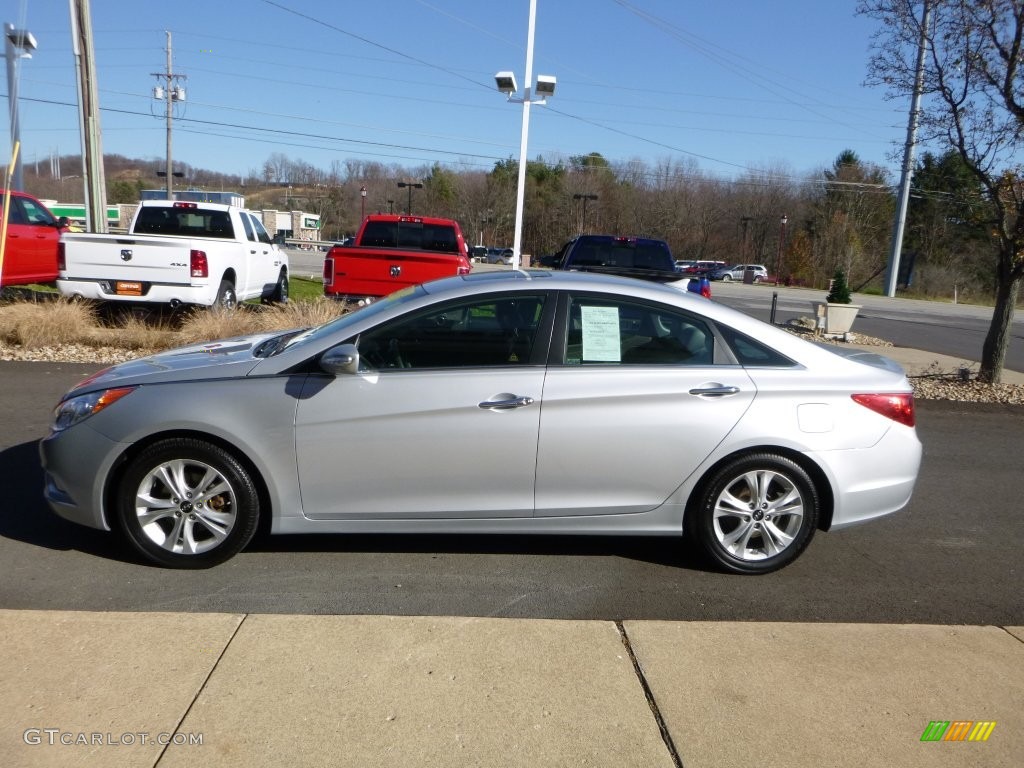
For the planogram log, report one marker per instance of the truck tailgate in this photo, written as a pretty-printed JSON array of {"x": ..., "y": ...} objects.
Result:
[
  {"x": 126, "y": 258},
  {"x": 364, "y": 271}
]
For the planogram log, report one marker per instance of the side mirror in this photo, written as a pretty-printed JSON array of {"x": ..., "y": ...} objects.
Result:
[{"x": 341, "y": 359}]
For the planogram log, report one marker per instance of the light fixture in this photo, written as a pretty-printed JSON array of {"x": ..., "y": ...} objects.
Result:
[{"x": 506, "y": 82}]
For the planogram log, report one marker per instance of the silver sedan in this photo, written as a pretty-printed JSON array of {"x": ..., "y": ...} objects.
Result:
[{"x": 602, "y": 405}]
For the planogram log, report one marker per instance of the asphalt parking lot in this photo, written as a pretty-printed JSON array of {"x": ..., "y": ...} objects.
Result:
[{"x": 952, "y": 557}]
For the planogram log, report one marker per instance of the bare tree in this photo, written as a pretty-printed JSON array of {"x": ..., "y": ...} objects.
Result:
[{"x": 974, "y": 102}]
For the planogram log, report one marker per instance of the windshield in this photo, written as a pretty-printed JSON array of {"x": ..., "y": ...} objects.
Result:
[{"x": 364, "y": 312}]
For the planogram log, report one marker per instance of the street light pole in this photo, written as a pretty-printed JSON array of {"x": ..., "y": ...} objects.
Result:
[
  {"x": 362, "y": 208},
  {"x": 18, "y": 44},
  {"x": 782, "y": 242},
  {"x": 545, "y": 87},
  {"x": 410, "y": 186}
]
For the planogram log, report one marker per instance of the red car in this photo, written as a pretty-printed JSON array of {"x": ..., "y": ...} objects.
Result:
[
  {"x": 30, "y": 242},
  {"x": 393, "y": 252}
]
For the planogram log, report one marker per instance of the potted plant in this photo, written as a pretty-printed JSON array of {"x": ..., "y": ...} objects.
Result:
[{"x": 836, "y": 314}]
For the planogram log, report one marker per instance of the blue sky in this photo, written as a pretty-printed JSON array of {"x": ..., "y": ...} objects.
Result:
[{"x": 729, "y": 86}]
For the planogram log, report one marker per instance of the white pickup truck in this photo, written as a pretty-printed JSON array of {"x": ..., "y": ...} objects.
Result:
[{"x": 176, "y": 253}]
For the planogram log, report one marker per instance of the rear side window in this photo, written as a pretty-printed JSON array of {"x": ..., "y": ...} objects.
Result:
[
  {"x": 410, "y": 234},
  {"x": 184, "y": 222},
  {"x": 752, "y": 353}
]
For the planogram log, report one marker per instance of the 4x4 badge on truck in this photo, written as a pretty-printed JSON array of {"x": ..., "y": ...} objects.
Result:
[
  {"x": 396, "y": 270},
  {"x": 126, "y": 254}
]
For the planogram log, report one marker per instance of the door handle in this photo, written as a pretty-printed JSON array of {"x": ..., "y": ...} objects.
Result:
[
  {"x": 253, "y": 251},
  {"x": 506, "y": 405},
  {"x": 714, "y": 390}
]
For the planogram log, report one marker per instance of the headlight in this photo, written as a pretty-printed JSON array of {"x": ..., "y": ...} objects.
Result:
[{"x": 73, "y": 410}]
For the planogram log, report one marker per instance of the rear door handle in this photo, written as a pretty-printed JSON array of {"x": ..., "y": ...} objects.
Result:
[
  {"x": 506, "y": 405},
  {"x": 714, "y": 390}
]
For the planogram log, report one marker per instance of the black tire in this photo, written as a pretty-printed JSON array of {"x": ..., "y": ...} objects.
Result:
[
  {"x": 726, "y": 278},
  {"x": 740, "y": 534},
  {"x": 227, "y": 299},
  {"x": 280, "y": 293},
  {"x": 213, "y": 510}
]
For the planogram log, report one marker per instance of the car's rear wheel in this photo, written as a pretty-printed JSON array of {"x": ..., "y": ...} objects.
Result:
[
  {"x": 726, "y": 278},
  {"x": 279, "y": 295},
  {"x": 185, "y": 503},
  {"x": 226, "y": 299},
  {"x": 755, "y": 514}
]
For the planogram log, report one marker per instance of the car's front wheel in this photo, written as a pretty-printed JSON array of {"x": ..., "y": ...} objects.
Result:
[
  {"x": 186, "y": 503},
  {"x": 755, "y": 514}
]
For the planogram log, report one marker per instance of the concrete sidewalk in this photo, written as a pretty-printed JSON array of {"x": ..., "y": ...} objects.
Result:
[{"x": 273, "y": 690}]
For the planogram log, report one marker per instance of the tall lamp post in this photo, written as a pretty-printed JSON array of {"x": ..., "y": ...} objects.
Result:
[
  {"x": 18, "y": 44},
  {"x": 362, "y": 206},
  {"x": 410, "y": 185},
  {"x": 545, "y": 87},
  {"x": 782, "y": 242},
  {"x": 583, "y": 218}
]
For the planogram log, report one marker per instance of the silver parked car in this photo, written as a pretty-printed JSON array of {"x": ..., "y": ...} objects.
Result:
[{"x": 619, "y": 407}]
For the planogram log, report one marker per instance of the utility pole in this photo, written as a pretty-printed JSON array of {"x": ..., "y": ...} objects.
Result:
[
  {"x": 170, "y": 92},
  {"x": 908, "y": 159},
  {"x": 93, "y": 177}
]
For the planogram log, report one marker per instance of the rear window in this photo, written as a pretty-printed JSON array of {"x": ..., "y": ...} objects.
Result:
[
  {"x": 410, "y": 234},
  {"x": 184, "y": 222},
  {"x": 622, "y": 253}
]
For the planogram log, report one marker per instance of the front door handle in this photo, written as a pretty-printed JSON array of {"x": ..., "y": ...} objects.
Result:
[
  {"x": 714, "y": 390},
  {"x": 506, "y": 405}
]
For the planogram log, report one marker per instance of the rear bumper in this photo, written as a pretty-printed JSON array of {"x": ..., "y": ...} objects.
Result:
[
  {"x": 152, "y": 293},
  {"x": 875, "y": 481}
]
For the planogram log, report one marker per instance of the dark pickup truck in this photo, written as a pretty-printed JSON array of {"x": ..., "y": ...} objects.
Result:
[{"x": 638, "y": 257}]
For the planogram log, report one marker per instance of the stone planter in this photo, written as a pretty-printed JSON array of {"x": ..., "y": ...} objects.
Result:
[{"x": 835, "y": 319}]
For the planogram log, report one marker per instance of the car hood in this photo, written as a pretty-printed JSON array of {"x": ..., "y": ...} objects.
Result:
[{"x": 222, "y": 359}]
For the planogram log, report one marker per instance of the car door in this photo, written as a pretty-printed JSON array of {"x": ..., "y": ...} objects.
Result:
[
  {"x": 266, "y": 261},
  {"x": 633, "y": 404},
  {"x": 441, "y": 421},
  {"x": 31, "y": 251}
]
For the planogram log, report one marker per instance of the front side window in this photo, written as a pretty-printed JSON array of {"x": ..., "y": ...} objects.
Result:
[
  {"x": 608, "y": 331},
  {"x": 482, "y": 332},
  {"x": 35, "y": 213}
]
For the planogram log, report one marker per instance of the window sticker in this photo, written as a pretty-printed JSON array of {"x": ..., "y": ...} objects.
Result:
[{"x": 601, "y": 334}]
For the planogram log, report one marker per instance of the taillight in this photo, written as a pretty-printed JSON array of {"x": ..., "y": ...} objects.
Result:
[
  {"x": 898, "y": 407},
  {"x": 462, "y": 270},
  {"x": 328, "y": 270},
  {"x": 62, "y": 261},
  {"x": 200, "y": 266}
]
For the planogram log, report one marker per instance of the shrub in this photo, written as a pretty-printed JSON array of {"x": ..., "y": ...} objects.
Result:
[{"x": 840, "y": 293}]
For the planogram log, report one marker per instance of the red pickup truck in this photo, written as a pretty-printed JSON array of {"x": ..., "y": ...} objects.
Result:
[
  {"x": 29, "y": 252},
  {"x": 393, "y": 252}
]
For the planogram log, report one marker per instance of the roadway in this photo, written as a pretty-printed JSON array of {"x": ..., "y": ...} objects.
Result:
[{"x": 952, "y": 557}]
